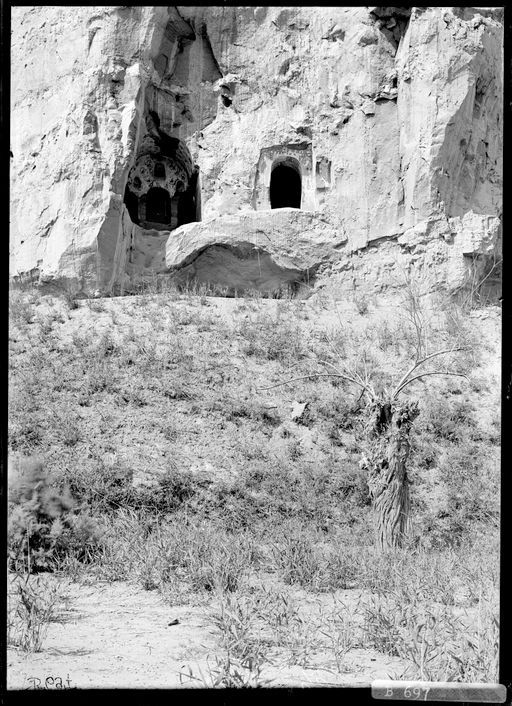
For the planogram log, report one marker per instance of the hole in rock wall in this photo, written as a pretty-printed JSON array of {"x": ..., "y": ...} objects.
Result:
[
  {"x": 158, "y": 206},
  {"x": 162, "y": 191},
  {"x": 226, "y": 100},
  {"x": 159, "y": 172},
  {"x": 278, "y": 188},
  {"x": 392, "y": 22},
  {"x": 285, "y": 186},
  {"x": 132, "y": 204},
  {"x": 152, "y": 120}
]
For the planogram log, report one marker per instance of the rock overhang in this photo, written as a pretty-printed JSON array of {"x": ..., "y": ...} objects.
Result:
[
  {"x": 253, "y": 249},
  {"x": 294, "y": 238}
]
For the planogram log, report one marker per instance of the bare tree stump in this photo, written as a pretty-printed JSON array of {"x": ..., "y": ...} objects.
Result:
[{"x": 386, "y": 464}]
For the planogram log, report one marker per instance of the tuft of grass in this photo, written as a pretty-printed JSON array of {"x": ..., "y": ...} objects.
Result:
[
  {"x": 32, "y": 605},
  {"x": 425, "y": 611},
  {"x": 299, "y": 559},
  {"x": 437, "y": 644},
  {"x": 362, "y": 305},
  {"x": 203, "y": 557},
  {"x": 340, "y": 626},
  {"x": 96, "y": 305},
  {"x": 225, "y": 673},
  {"x": 272, "y": 337},
  {"x": 70, "y": 300}
]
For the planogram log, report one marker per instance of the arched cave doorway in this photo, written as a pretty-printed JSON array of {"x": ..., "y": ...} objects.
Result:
[
  {"x": 163, "y": 193},
  {"x": 158, "y": 206},
  {"x": 285, "y": 186}
]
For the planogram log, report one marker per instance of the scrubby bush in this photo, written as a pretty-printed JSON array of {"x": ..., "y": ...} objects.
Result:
[
  {"x": 42, "y": 527},
  {"x": 448, "y": 420},
  {"x": 272, "y": 337},
  {"x": 471, "y": 479},
  {"x": 21, "y": 308},
  {"x": 103, "y": 488}
]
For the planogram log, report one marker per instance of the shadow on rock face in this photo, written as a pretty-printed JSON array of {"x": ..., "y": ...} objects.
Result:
[{"x": 243, "y": 268}]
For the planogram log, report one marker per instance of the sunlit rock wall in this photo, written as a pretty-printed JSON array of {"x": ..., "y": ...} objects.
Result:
[{"x": 391, "y": 117}]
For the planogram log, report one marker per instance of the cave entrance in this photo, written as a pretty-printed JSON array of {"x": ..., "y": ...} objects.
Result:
[
  {"x": 158, "y": 206},
  {"x": 285, "y": 186},
  {"x": 163, "y": 192}
]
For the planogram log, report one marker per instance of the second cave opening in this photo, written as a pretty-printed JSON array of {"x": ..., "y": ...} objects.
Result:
[{"x": 285, "y": 186}]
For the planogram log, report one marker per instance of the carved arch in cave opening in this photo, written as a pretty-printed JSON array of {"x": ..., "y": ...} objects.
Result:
[
  {"x": 285, "y": 184},
  {"x": 163, "y": 191}
]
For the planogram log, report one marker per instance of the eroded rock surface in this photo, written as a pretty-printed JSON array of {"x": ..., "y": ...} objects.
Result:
[
  {"x": 267, "y": 250},
  {"x": 255, "y": 146}
]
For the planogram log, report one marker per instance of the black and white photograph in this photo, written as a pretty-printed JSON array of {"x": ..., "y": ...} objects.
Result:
[{"x": 255, "y": 347}]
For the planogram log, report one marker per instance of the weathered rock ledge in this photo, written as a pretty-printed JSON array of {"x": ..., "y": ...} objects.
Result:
[{"x": 253, "y": 249}]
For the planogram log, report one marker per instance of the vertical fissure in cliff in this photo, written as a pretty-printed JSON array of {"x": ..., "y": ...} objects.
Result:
[
  {"x": 392, "y": 22},
  {"x": 162, "y": 189}
]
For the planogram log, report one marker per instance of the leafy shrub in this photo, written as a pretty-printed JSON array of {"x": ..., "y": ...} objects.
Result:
[
  {"x": 42, "y": 528},
  {"x": 21, "y": 308},
  {"x": 232, "y": 502},
  {"x": 70, "y": 300},
  {"x": 105, "y": 487}
]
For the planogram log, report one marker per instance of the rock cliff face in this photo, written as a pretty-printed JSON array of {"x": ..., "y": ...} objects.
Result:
[{"x": 255, "y": 147}]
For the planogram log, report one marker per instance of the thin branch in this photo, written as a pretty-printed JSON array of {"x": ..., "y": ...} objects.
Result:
[
  {"x": 326, "y": 362},
  {"x": 315, "y": 375},
  {"x": 422, "y": 375},
  {"x": 359, "y": 379},
  {"x": 333, "y": 347},
  {"x": 420, "y": 362},
  {"x": 366, "y": 379},
  {"x": 494, "y": 266},
  {"x": 356, "y": 379}
]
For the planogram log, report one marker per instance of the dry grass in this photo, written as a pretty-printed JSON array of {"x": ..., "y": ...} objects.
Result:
[
  {"x": 149, "y": 410},
  {"x": 31, "y": 605}
]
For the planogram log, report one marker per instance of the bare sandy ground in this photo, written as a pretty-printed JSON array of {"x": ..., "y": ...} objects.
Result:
[{"x": 118, "y": 636}]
